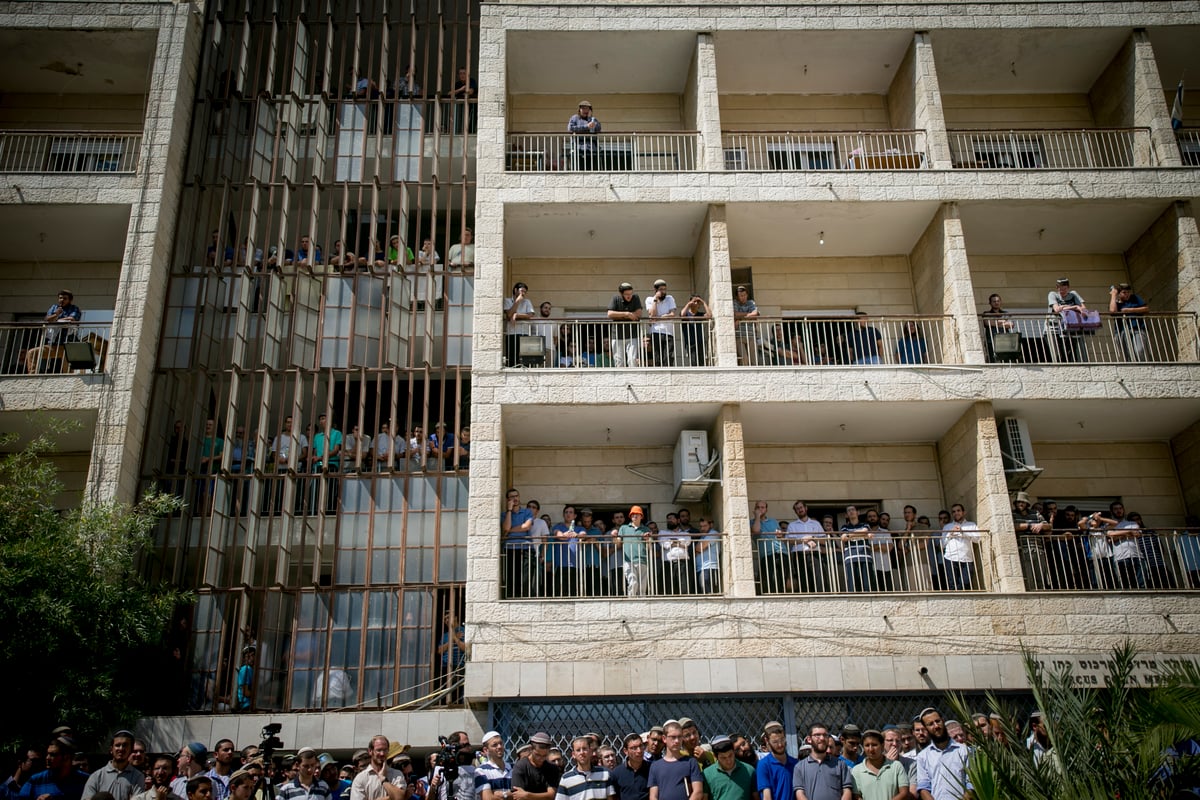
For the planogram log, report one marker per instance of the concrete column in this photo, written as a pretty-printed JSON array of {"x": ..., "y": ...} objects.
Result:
[
  {"x": 1164, "y": 268},
  {"x": 1185, "y": 448},
  {"x": 733, "y": 504},
  {"x": 973, "y": 474},
  {"x": 720, "y": 282},
  {"x": 702, "y": 107},
  {"x": 125, "y": 409},
  {"x": 942, "y": 282},
  {"x": 927, "y": 102}
]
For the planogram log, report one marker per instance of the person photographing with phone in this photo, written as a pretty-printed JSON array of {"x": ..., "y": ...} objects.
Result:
[{"x": 659, "y": 307}]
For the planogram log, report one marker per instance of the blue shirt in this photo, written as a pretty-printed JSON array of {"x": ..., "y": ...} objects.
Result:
[
  {"x": 775, "y": 776},
  {"x": 711, "y": 557},
  {"x": 769, "y": 545},
  {"x": 674, "y": 779},
  {"x": 69, "y": 788},
  {"x": 943, "y": 773},
  {"x": 519, "y": 540},
  {"x": 631, "y": 784}
]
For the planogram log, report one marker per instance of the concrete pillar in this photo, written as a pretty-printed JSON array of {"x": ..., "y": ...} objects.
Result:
[
  {"x": 927, "y": 102},
  {"x": 942, "y": 281},
  {"x": 733, "y": 504},
  {"x": 702, "y": 106},
  {"x": 125, "y": 408},
  {"x": 1129, "y": 94},
  {"x": 720, "y": 281},
  {"x": 973, "y": 474}
]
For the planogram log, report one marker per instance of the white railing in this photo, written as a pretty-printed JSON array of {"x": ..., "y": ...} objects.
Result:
[
  {"x": 40, "y": 349},
  {"x": 1120, "y": 338},
  {"x": 67, "y": 151},
  {"x": 673, "y": 151},
  {"x": 594, "y": 565},
  {"x": 1140, "y": 560},
  {"x": 588, "y": 344},
  {"x": 878, "y": 561},
  {"x": 824, "y": 150},
  {"x": 1189, "y": 147},
  {"x": 771, "y": 342},
  {"x": 1091, "y": 148}
]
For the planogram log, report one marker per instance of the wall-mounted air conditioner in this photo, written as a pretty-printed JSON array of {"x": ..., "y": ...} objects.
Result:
[
  {"x": 696, "y": 469},
  {"x": 1016, "y": 450}
]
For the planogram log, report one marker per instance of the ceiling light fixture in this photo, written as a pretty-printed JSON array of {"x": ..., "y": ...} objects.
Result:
[{"x": 821, "y": 238}]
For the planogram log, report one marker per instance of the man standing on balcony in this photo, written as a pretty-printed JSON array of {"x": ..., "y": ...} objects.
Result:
[
  {"x": 517, "y": 309},
  {"x": 584, "y": 126},
  {"x": 866, "y": 340},
  {"x": 1030, "y": 526},
  {"x": 1131, "y": 328},
  {"x": 58, "y": 317},
  {"x": 519, "y": 548},
  {"x": 857, "y": 562},
  {"x": 997, "y": 321},
  {"x": 462, "y": 255},
  {"x": 744, "y": 311},
  {"x": 635, "y": 553},
  {"x": 808, "y": 561},
  {"x": 625, "y": 310},
  {"x": 959, "y": 536},
  {"x": 772, "y": 551},
  {"x": 662, "y": 334},
  {"x": 1064, "y": 298}
]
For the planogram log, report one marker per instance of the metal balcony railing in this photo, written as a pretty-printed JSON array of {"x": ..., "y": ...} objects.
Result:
[
  {"x": 1120, "y": 338},
  {"x": 68, "y": 151},
  {"x": 597, "y": 564},
  {"x": 1091, "y": 148},
  {"x": 771, "y": 342},
  {"x": 824, "y": 563},
  {"x": 40, "y": 349},
  {"x": 824, "y": 150},
  {"x": 652, "y": 151},
  {"x": 1189, "y": 147},
  {"x": 588, "y": 344},
  {"x": 1129, "y": 560}
]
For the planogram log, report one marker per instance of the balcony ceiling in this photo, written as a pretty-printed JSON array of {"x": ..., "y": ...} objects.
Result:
[
  {"x": 1029, "y": 228},
  {"x": 77, "y": 438},
  {"x": 847, "y": 423},
  {"x": 1018, "y": 60},
  {"x": 809, "y": 62},
  {"x": 789, "y": 230},
  {"x": 630, "y": 230},
  {"x": 75, "y": 62},
  {"x": 1102, "y": 420},
  {"x": 1177, "y": 51},
  {"x": 586, "y": 63},
  {"x": 64, "y": 233},
  {"x": 600, "y": 426}
]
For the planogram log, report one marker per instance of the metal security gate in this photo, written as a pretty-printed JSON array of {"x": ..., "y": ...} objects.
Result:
[{"x": 613, "y": 719}]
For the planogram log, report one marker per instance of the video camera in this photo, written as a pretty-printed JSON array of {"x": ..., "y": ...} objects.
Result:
[{"x": 451, "y": 757}]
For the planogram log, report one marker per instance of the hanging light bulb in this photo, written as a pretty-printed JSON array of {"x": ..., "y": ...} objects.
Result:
[{"x": 821, "y": 238}]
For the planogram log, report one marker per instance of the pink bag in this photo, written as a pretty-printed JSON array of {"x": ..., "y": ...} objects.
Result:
[{"x": 1085, "y": 322}]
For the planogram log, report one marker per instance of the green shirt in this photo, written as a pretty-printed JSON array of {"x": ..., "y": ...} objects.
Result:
[
  {"x": 738, "y": 784},
  {"x": 633, "y": 546},
  {"x": 868, "y": 785}
]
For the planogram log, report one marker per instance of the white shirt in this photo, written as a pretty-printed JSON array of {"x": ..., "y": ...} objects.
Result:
[
  {"x": 1126, "y": 548},
  {"x": 462, "y": 254},
  {"x": 956, "y": 541},
  {"x": 383, "y": 446},
  {"x": 284, "y": 443},
  {"x": 809, "y": 528},
  {"x": 368, "y": 784},
  {"x": 341, "y": 691},
  {"x": 523, "y": 307},
  {"x": 660, "y": 308},
  {"x": 883, "y": 557}
]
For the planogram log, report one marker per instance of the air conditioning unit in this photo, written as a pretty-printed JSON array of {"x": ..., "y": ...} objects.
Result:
[
  {"x": 1016, "y": 450},
  {"x": 694, "y": 467}
]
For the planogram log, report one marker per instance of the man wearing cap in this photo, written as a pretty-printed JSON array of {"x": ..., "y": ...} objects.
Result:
[
  {"x": 307, "y": 785},
  {"x": 675, "y": 776},
  {"x": 821, "y": 775},
  {"x": 661, "y": 306},
  {"x": 584, "y": 126},
  {"x": 118, "y": 777},
  {"x": 585, "y": 780},
  {"x": 244, "y": 782},
  {"x": 635, "y": 554},
  {"x": 625, "y": 310},
  {"x": 728, "y": 778},
  {"x": 188, "y": 764},
  {"x": 493, "y": 776},
  {"x": 1131, "y": 328},
  {"x": 631, "y": 777},
  {"x": 1029, "y": 525},
  {"x": 533, "y": 777},
  {"x": 654, "y": 743},
  {"x": 1064, "y": 298},
  {"x": 60, "y": 780},
  {"x": 378, "y": 781},
  {"x": 689, "y": 743},
  {"x": 774, "y": 770},
  {"x": 942, "y": 766},
  {"x": 160, "y": 781}
]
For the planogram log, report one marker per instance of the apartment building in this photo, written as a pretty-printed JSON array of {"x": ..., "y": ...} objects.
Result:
[{"x": 281, "y": 199}]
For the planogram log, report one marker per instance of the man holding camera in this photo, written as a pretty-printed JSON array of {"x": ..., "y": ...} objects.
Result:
[{"x": 379, "y": 781}]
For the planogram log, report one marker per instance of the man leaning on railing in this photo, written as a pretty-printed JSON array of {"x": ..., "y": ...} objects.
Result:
[
  {"x": 1130, "y": 328},
  {"x": 60, "y": 319}
]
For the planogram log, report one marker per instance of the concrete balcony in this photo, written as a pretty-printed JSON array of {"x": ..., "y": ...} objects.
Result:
[
  {"x": 659, "y": 151},
  {"x": 1109, "y": 339},
  {"x": 1144, "y": 560},
  {"x": 805, "y": 151},
  {"x": 1117, "y": 148},
  {"x": 56, "y": 152}
]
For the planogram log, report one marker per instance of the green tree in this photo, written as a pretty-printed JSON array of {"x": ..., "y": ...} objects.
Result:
[
  {"x": 82, "y": 630},
  {"x": 1106, "y": 742}
]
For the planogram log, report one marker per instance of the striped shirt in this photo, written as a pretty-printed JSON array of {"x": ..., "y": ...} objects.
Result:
[
  {"x": 490, "y": 776},
  {"x": 578, "y": 785},
  {"x": 295, "y": 790}
]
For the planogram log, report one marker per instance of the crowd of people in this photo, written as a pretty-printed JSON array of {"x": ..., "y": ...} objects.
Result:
[{"x": 924, "y": 757}]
